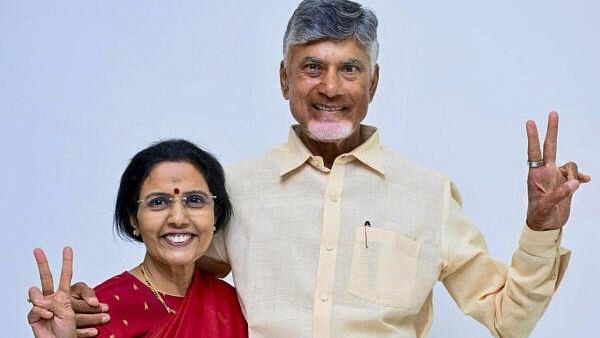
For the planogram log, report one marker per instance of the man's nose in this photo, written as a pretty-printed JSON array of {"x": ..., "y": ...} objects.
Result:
[{"x": 330, "y": 85}]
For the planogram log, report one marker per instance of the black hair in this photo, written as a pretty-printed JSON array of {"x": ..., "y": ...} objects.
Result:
[{"x": 175, "y": 150}]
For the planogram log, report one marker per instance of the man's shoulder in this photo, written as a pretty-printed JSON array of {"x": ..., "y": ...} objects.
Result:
[
  {"x": 268, "y": 161},
  {"x": 397, "y": 163}
]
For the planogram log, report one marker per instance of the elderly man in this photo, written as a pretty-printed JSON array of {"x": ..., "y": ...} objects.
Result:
[{"x": 336, "y": 235}]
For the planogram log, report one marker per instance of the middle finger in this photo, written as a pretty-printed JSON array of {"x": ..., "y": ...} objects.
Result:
[
  {"x": 67, "y": 271},
  {"x": 551, "y": 138}
]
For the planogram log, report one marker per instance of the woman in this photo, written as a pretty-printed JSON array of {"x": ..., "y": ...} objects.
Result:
[{"x": 172, "y": 198}]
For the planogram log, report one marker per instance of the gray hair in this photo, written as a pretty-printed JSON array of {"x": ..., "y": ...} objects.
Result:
[{"x": 332, "y": 19}]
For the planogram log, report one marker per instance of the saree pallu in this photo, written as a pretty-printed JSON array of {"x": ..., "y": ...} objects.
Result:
[{"x": 209, "y": 309}]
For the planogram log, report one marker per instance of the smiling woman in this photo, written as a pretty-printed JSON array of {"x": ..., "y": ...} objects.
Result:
[{"x": 172, "y": 198}]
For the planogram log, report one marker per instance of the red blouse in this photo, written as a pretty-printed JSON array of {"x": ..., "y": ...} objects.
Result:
[{"x": 209, "y": 309}]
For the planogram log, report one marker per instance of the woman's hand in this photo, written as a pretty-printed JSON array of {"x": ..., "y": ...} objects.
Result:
[{"x": 52, "y": 315}]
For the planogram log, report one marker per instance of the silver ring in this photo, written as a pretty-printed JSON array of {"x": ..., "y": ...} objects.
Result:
[{"x": 535, "y": 164}]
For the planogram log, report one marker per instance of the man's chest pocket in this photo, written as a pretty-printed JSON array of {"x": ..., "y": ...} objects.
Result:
[{"x": 384, "y": 267}]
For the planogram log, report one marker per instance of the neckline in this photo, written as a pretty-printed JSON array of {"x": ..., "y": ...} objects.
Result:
[{"x": 140, "y": 281}]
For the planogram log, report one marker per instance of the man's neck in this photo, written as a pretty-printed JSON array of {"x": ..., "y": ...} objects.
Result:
[{"x": 329, "y": 151}]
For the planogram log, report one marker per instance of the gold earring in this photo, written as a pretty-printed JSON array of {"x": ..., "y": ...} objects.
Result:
[{"x": 136, "y": 233}]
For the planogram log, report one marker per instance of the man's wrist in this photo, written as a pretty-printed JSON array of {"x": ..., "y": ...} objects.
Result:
[{"x": 540, "y": 243}]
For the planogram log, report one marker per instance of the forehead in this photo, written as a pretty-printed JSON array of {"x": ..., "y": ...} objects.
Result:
[
  {"x": 328, "y": 51},
  {"x": 170, "y": 175}
]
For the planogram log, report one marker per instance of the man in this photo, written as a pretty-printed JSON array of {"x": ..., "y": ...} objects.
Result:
[{"x": 336, "y": 235}]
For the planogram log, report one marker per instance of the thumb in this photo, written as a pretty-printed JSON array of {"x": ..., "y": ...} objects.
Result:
[{"x": 565, "y": 190}]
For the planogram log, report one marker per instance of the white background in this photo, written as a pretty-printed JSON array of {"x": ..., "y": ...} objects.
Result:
[{"x": 85, "y": 85}]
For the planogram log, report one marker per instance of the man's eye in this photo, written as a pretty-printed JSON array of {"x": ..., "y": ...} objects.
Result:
[
  {"x": 349, "y": 69},
  {"x": 197, "y": 201},
  {"x": 312, "y": 67}
]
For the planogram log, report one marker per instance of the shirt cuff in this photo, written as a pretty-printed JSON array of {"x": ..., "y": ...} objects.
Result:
[{"x": 540, "y": 243}]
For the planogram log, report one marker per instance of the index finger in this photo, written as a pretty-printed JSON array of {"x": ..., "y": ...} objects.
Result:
[
  {"x": 534, "y": 152},
  {"x": 66, "y": 273},
  {"x": 551, "y": 138},
  {"x": 44, "y": 270}
]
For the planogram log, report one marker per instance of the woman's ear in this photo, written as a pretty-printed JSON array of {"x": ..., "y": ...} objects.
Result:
[{"x": 134, "y": 225}]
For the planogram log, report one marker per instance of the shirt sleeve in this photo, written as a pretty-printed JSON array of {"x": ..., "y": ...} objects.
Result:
[{"x": 508, "y": 300}]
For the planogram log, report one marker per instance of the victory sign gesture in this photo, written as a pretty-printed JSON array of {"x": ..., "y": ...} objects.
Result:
[
  {"x": 51, "y": 315},
  {"x": 550, "y": 188}
]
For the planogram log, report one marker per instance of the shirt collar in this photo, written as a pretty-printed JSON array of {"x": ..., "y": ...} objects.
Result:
[{"x": 369, "y": 152}]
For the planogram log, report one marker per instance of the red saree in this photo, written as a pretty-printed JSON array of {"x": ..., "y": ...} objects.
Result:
[{"x": 209, "y": 309}]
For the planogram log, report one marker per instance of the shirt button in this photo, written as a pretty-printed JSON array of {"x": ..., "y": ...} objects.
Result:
[
  {"x": 333, "y": 198},
  {"x": 329, "y": 247},
  {"x": 324, "y": 298}
]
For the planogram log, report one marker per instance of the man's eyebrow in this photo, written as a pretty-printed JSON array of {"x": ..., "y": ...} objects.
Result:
[
  {"x": 353, "y": 62},
  {"x": 310, "y": 59}
]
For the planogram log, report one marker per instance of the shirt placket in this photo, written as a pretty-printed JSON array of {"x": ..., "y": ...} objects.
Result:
[{"x": 323, "y": 297}]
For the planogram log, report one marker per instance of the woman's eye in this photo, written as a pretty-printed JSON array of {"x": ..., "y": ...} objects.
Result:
[
  {"x": 158, "y": 202},
  {"x": 196, "y": 200}
]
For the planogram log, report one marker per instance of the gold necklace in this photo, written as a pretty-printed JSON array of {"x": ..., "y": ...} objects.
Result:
[{"x": 154, "y": 291}]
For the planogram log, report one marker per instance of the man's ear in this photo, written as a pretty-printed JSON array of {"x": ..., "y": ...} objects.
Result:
[
  {"x": 283, "y": 80},
  {"x": 374, "y": 82}
]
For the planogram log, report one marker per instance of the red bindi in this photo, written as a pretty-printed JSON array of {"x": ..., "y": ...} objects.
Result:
[{"x": 176, "y": 191}]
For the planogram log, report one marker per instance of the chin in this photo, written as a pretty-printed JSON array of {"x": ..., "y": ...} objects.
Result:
[
  {"x": 181, "y": 260},
  {"x": 330, "y": 131}
]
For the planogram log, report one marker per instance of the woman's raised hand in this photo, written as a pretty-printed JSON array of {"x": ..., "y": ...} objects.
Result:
[{"x": 52, "y": 315}]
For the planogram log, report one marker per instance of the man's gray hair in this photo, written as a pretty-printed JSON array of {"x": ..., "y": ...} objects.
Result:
[{"x": 315, "y": 20}]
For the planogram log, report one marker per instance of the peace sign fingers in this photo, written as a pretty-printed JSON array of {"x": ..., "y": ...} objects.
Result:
[
  {"x": 44, "y": 270},
  {"x": 534, "y": 153},
  {"x": 551, "y": 139},
  {"x": 66, "y": 272}
]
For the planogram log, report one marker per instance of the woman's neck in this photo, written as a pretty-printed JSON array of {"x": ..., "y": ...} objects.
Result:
[{"x": 170, "y": 279}]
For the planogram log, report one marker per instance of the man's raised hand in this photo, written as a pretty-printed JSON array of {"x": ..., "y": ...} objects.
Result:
[{"x": 550, "y": 188}]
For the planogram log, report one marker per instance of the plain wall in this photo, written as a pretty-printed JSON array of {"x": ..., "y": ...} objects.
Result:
[{"x": 84, "y": 85}]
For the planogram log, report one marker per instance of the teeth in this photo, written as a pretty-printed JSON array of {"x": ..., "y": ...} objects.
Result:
[
  {"x": 178, "y": 238},
  {"x": 325, "y": 108}
]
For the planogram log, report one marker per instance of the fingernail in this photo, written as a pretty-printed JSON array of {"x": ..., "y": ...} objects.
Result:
[
  {"x": 105, "y": 318},
  {"x": 103, "y": 307},
  {"x": 573, "y": 184}
]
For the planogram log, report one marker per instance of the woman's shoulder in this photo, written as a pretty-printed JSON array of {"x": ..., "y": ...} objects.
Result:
[
  {"x": 131, "y": 306},
  {"x": 121, "y": 291},
  {"x": 122, "y": 280}
]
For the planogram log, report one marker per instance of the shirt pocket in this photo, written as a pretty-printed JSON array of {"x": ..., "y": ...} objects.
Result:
[{"x": 385, "y": 271}]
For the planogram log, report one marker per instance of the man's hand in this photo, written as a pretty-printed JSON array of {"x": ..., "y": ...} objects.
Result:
[
  {"x": 89, "y": 312},
  {"x": 213, "y": 267},
  {"x": 550, "y": 188}
]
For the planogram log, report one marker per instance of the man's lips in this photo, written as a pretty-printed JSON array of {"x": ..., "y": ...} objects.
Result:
[{"x": 328, "y": 108}]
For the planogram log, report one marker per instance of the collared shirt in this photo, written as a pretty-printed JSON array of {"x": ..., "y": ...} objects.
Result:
[{"x": 355, "y": 250}]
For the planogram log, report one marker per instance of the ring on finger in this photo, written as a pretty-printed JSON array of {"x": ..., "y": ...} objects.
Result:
[{"x": 535, "y": 164}]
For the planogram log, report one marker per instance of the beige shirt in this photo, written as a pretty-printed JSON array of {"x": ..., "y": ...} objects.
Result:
[{"x": 305, "y": 265}]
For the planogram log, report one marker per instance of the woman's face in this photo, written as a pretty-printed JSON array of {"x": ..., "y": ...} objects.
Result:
[{"x": 173, "y": 220}]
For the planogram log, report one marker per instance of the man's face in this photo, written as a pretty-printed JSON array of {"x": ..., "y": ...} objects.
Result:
[{"x": 329, "y": 85}]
